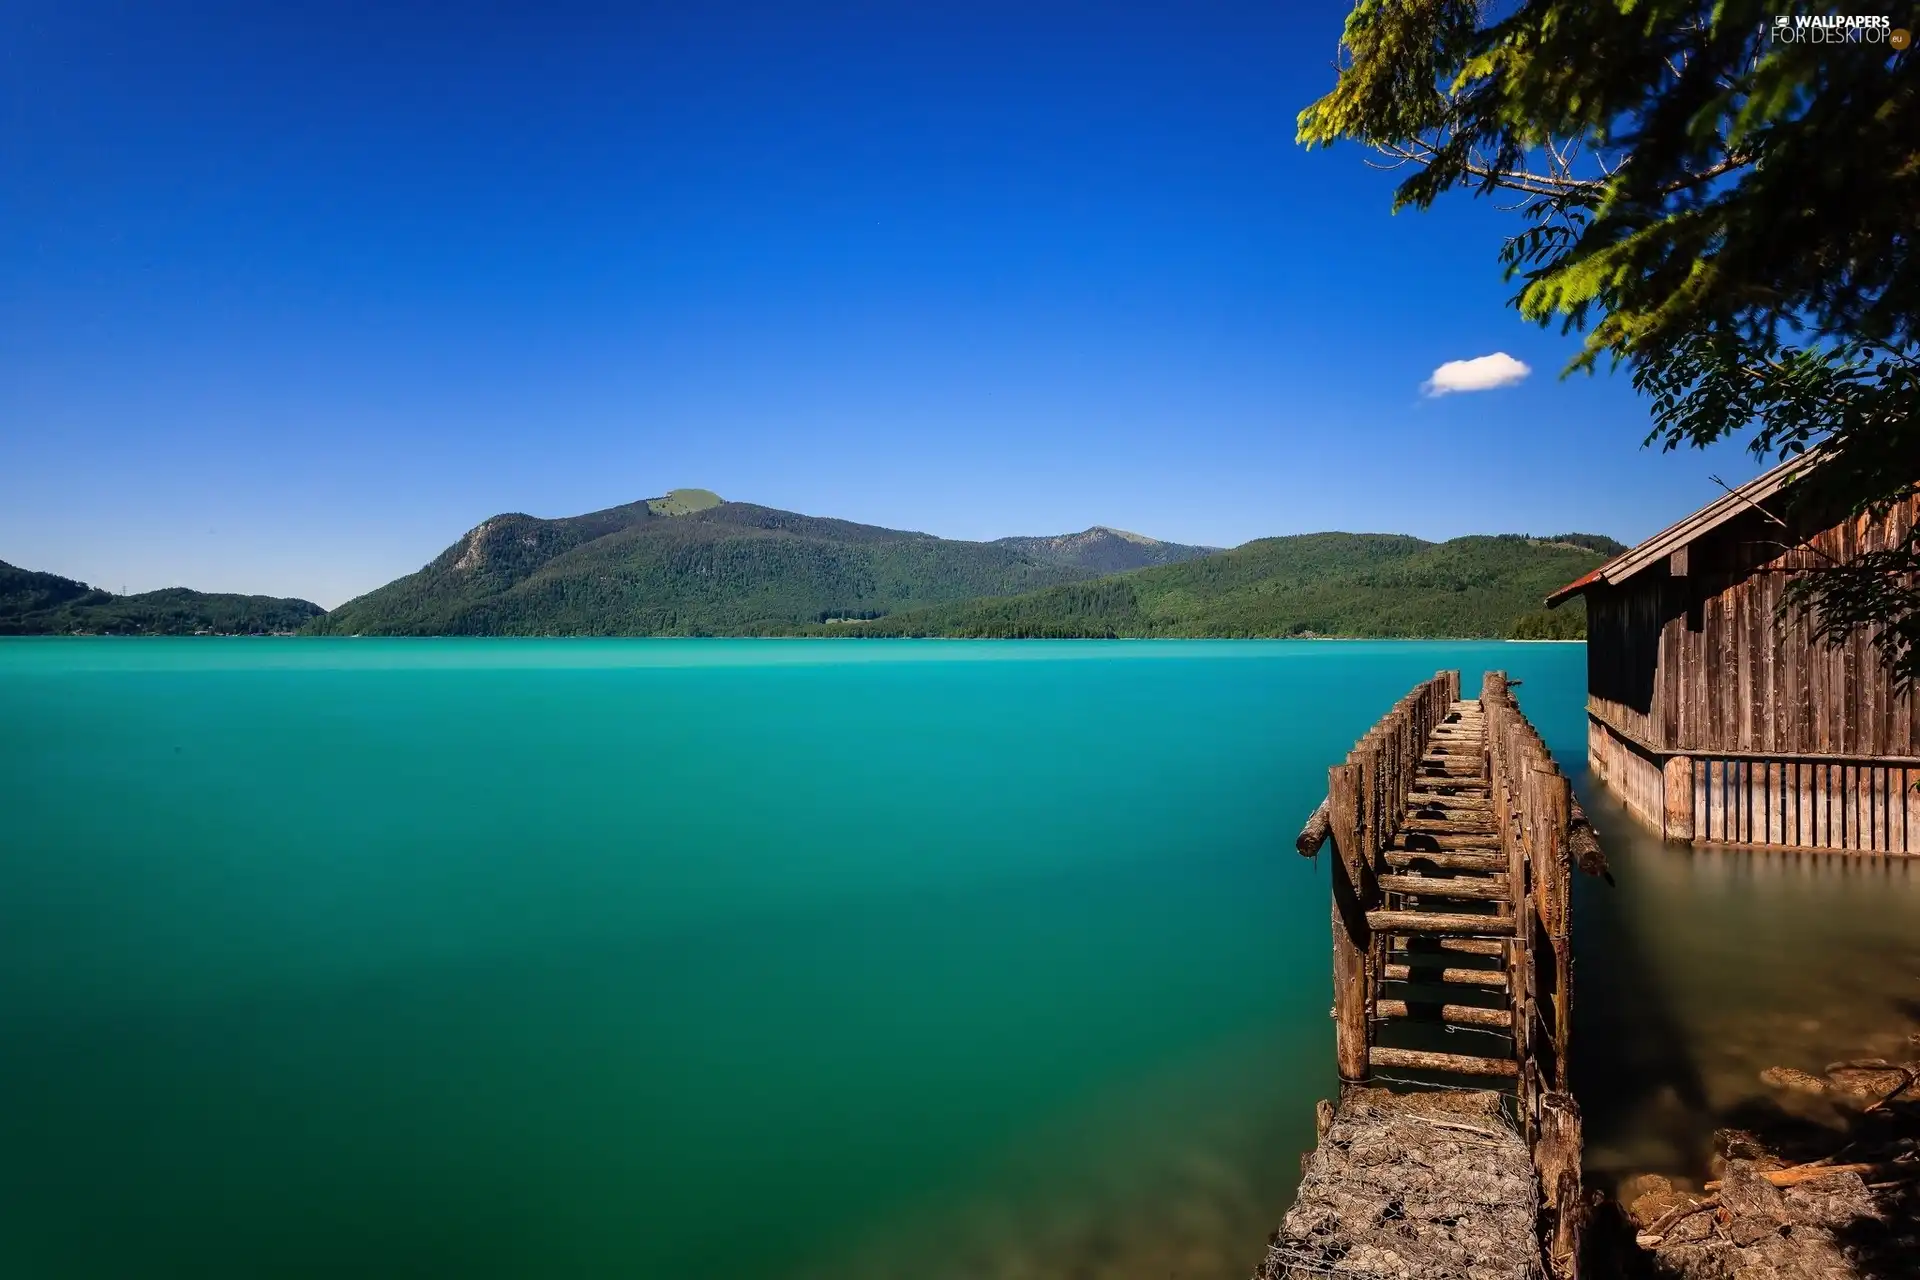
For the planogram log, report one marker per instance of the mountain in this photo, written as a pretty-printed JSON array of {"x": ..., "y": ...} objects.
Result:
[
  {"x": 1104, "y": 550},
  {"x": 693, "y": 564},
  {"x": 1322, "y": 584},
  {"x": 47, "y": 604}
]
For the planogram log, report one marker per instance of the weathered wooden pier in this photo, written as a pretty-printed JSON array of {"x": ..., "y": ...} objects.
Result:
[{"x": 1454, "y": 837}]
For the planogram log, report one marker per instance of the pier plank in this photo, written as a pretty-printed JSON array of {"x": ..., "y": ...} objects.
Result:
[
  {"x": 1439, "y": 922},
  {"x": 1456, "y": 1063}
]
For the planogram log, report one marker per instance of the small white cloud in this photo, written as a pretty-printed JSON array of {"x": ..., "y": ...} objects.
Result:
[{"x": 1482, "y": 373}]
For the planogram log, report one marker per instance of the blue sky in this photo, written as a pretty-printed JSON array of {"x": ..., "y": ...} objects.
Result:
[{"x": 291, "y": 296}]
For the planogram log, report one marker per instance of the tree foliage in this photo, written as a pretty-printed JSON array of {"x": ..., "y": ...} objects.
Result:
[
  {"x": 34, "y": 603},
  {"x": 1319, "y": 584},
  {"x": 730, "y": 568},
  {"x": 739, "y": 569},
  {"x": 1726, "y": 212}
]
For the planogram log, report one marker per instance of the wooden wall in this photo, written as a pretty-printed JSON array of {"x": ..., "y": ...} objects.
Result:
[
  {"x": 1628, "y": 771},
  {"x": 1700, "y": 686},
  {"x": 1707, "y": 663},
  {"x": 1806, "y": 804}
]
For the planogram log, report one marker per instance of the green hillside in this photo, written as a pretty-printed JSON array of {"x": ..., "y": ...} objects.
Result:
[
  {"x": 690, "y": 563},
  {"x": 34, "y": 603},
  {"x": 1323, "y": 584},
  {"x": 1104, "y": 550},
  {"x": 682, "y": 565}
]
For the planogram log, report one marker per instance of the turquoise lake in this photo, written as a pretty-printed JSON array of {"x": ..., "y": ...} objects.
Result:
[{"x": 707, "y": 958}]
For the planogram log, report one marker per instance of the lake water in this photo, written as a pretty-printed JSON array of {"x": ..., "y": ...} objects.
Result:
[
  {"x": 731, "y": 958},
  {"x": 1701, "y": 969}
]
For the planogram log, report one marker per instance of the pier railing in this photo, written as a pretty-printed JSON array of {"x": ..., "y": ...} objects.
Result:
[
  {"x": 1366, "y": 798},
  {"x": 1534, "y": 810},
  {"x": 1454, "y": 837}
]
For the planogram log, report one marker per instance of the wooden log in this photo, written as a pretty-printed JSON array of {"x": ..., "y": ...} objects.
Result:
[
  {"x": 1453, "y": 752},
  {"x": 1455, "y": 807},
  {"x": 1458, "y": 1063},
  {"x": 1585, "y": 841},
  {"x": 1451, "y": 977},
  {"x": 1460, "y": 946},
  {"x": 1401, "y": 859},
  {"x": 1556, "y": 1154},
  {"x": 1465, "y": 768},
  {"x": 1521, "y": 783},
  {"x": 1551, "y": 855},
  {"x": 1475, "y": 822},
  {"x": 1557, "y": 866},
  {"x": 1884, "y": 1172},
  {"x": 1371, "y": 836},
  {"x": 1518, "y": 862},
  {"x": 1556, "y": 1149},
  {"x": 1466, "y": 1015},
  {"x": 1314, "y": 834},
  {"x": 1352, "y": 937},
  {"x": 1491, "y": 889},
  {"x": 1442, "y": 842},
  {"x": 1465, "y": 795},
  {"x": 1677, "y": 785},
  {"x": 1425, "y": 922}
]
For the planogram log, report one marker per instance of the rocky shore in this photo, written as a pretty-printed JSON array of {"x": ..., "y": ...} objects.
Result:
[{"x": 1823, "y": 1185}]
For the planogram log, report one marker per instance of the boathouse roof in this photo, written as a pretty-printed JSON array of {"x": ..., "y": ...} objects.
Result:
[{"x": 1675, "y": 536}]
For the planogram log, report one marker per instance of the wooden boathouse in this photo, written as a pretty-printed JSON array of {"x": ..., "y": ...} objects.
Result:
[{"x": 1720, "y": 719}]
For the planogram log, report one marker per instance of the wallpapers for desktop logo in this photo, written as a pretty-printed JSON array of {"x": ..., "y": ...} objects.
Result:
[{"x": 1836, "y": 28}]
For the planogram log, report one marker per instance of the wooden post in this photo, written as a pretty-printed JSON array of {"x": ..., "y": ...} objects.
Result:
[
  {"x": 1365, "y": 758},
  {"x": 1352, "y": 939},
  {"x": 1556, "y": 1156},
  {"x": 1520, "y": 775},
  {"x": 1677, "y": 785},
  {"x": 1396, "y": 747},
  {"x": 1544, "y": 846},
  {"x": 1556, "y": 867},
  {"x": 1559, "y": 850}
]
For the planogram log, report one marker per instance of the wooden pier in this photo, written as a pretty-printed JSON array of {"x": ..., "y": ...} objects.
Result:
[{"x": 1454, "y": 837}]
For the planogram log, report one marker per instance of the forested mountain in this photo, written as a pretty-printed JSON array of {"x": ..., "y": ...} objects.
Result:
[
  {"x": 1105, "y": 550},
  {"x": 1323, "y": 584},
  {"x": 47, "y": 604},
  {"x": 691, "y": 564}
]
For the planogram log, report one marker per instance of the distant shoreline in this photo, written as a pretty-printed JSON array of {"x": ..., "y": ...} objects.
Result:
[{"x": 161, "y": 635}]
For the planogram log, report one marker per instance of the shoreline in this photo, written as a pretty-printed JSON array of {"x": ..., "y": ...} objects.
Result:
[{"x": 281, "y": 635}]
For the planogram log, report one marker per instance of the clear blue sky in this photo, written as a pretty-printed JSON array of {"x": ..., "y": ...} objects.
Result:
[{"x": 293, "y": 295}]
